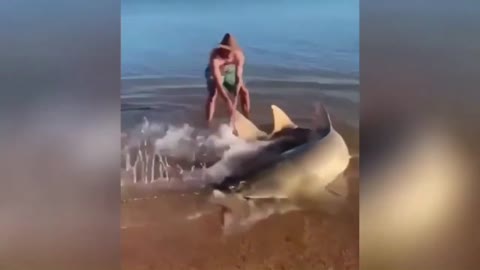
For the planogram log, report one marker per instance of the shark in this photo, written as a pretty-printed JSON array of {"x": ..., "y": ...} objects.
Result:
[{"x": 297, "y": 164}]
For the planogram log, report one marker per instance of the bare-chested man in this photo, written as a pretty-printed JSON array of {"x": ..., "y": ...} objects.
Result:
[{"x": 225, "y": 70}]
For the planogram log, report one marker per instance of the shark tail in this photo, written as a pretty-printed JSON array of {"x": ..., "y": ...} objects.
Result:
[
  {"x": 218, "y": 194},
  {"x": 245, "y": 128},
  {"x": 321, "y": 118},
  {"x": 249, "y": 131}
]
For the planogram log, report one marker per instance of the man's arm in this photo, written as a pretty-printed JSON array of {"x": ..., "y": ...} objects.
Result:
[
  {"x": 217, "y": 77},
  {"x": 239, "y": 69}
]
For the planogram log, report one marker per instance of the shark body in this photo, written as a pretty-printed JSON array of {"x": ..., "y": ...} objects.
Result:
[{"x": 297, "y": 164}]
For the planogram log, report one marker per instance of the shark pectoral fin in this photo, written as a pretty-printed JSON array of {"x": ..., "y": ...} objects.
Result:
[
  {"x": 264, "y": 192},
  {"x": 218, "y": 194},
  {"x": 339, "y": 186},
  {"x": 228, "y": 207},
  {"x": 280, "y": 120},
  {"x": 245, "y": 128}
]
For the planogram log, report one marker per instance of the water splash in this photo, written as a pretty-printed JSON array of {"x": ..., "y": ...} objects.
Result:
[{"x": 160, "y": 153}]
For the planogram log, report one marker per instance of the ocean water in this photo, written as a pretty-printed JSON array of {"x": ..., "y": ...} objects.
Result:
[
  {"x": 297, "y": 53},
  {"x": 297, "y": 39}
]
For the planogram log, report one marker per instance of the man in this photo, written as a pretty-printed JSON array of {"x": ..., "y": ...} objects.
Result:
[{"x": 225, "y": 70}]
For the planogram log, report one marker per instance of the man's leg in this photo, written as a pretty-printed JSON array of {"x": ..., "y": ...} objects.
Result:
[
  {"x": 211, "y": 102},
  {"x": 245, "y": 101}
]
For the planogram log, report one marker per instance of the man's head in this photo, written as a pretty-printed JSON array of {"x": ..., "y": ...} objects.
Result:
[
  {"x": 224, "y": 53},
  {"x": 227, "y": 45}
]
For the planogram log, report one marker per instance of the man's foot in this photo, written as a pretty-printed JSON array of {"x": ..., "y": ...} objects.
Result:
[
  {"x": 209, "y": 124},
  {"x": 232, "y": 120}
]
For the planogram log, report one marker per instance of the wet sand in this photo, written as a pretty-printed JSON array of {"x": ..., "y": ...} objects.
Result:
[
  {"x": 163, "y": 233},
  {"x": 158, "y": 234}
]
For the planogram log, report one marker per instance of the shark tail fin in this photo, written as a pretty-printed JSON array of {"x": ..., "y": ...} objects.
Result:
[
  {"x": 245, "y": 128},
  {"x": 321, "y": 118},
  {"x": 280, "y": 120}
]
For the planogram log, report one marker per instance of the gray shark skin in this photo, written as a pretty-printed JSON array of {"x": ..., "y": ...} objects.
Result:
[{"x": 297, "y": 165}]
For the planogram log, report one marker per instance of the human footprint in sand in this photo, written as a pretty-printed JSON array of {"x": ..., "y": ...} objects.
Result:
[{"x": 224, "y": 75}]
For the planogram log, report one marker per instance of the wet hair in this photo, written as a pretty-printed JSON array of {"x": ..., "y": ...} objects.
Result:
[{"x": 225, "y": 38}]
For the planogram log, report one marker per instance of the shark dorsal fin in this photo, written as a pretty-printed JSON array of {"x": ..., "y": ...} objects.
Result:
[
  {"x": 281, "y": 120},
  {"x": 245, "y": 128}
]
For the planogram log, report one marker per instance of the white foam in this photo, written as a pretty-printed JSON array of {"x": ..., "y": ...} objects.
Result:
[{"x": 184, "y": 142}]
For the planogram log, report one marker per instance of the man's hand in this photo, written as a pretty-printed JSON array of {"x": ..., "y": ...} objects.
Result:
[
  {"x": 233, "y": 112},
  {"x": 239, "y": 75},
  {"x": 239, "y": 86},
  {"x": 231, "y": 105},
  {"x": 217, "y": 76}
]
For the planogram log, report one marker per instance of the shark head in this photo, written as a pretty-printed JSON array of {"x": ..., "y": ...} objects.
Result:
[{"x": 297, "y": 164}]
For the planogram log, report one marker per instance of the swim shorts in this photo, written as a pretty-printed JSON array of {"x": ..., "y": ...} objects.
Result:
[{"x": 229, "y": 79}]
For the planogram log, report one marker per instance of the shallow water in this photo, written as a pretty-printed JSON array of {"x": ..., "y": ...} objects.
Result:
[{"x": 165, "y": 46}]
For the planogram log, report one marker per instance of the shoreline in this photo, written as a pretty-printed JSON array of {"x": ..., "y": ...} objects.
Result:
[
  {"x": 178, "y": 101},
  {"x": 161, "y": 82}
]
